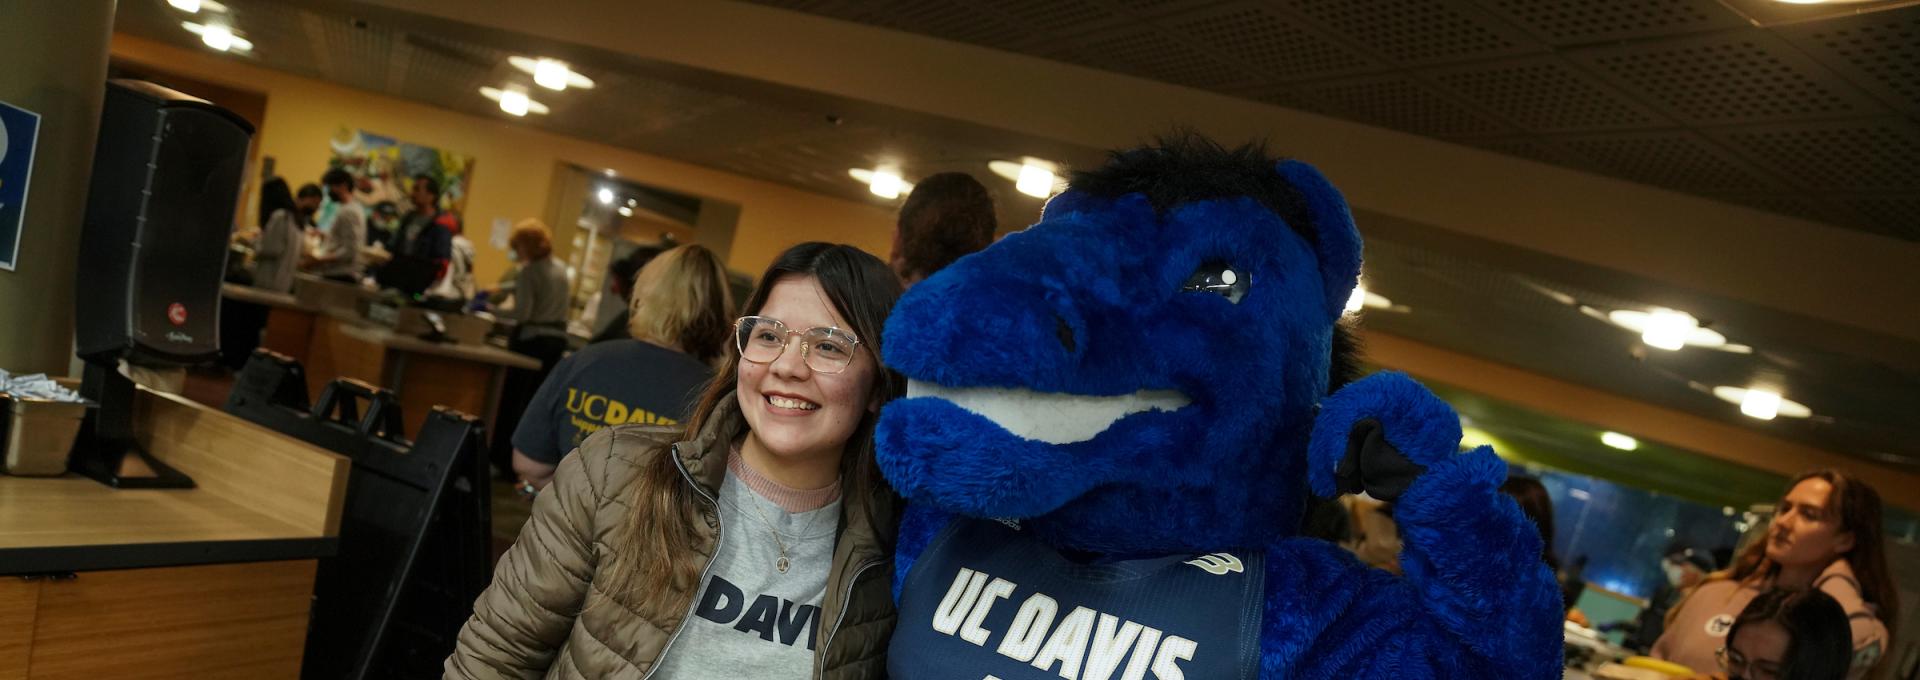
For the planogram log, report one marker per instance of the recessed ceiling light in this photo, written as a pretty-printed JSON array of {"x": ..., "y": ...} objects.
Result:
[
  {"x": 552, "y": 74},
  {"x": 218, "y": 37},
  {"x": 1763, "y": 403},
  {"x": 515, "y": 102},
  {"x": 608, "y": 172},
  {"x": 1619, "y": 441},
  {"x": 1366, "y": 299},
  {"x": 1663, "y": 325},
  {"x": 606, "y": 196},
  {"x": 873, "y": 178},
  {"x": 1031, "y": 176},
  {"x": 626, "y": 211},
  {"x": 188, "y": 6}
]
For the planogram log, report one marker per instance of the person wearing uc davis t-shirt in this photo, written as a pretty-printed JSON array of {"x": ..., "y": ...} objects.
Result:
[{"x": 680, "y": 321}]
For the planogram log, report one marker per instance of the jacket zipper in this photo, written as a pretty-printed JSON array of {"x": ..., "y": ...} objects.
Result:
[
  {"x": 719, "y": 534},
  {"x": 846, "y": 602}
]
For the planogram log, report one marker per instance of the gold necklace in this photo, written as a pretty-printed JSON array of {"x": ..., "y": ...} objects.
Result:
[{"x": 783, "y": 563}]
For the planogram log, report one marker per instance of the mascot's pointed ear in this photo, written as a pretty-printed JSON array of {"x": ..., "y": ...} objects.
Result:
[{"x": 1338, "y": 247}]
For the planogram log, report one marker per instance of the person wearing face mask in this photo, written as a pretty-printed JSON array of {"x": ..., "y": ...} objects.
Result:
[
  {"x": 1684, "y": 568},
  {"x": 752, "y": 542},
  {"x": 1826, "y": 536},
  {"x": 1786, "y": 634}
]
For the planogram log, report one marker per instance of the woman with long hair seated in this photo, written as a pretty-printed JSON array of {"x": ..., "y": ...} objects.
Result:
[
  {"x": 679, "y": 320},
  {"x": 1826, "y": 535},
  {"x": 752, "y": 542},
  {"x": 1787, "y": 634}
]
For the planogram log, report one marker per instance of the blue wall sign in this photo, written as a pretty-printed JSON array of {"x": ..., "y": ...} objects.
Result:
[{"x": 19, "y": 130}]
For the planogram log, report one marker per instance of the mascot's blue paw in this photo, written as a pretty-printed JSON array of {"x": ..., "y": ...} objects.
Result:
[{"x": 1378, "y": 435}]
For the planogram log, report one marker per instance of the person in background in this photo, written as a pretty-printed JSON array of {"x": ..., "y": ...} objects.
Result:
[
  {"x": 1537, "y": 505},
  {"x": 540, "y": 312},
  {"x": 620, "y": 277},
  {"x": 1786, "y": 634},
  {"x": 308, "y": 202},
  {"x": 276, "y": 251},
  {"x": 680, "y": 325},
  {"x": 382, "y": 220},
  {"x": 1684, "y": 568},
  {"x": 425, "y": 232},
  {"x": 339, "y": 256},
  {"x": 769, "y": 494},
  {"x": 1826, "y": 536},
  {"x": 946, "y": 216}
]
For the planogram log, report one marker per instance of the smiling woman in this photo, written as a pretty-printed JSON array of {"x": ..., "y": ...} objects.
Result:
[{"x": 756, "y": 536}]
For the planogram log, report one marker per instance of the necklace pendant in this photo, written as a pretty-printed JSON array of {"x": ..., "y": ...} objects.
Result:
[{"x": 781, "y": 564}]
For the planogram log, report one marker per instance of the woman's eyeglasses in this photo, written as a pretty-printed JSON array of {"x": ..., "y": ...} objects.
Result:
[
  {"x": 1738, "y": 667},
  {"x": 762, "y": 339}
]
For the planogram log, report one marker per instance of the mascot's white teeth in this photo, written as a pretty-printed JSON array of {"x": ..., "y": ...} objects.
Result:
[{"x": 1050, "y": 417}]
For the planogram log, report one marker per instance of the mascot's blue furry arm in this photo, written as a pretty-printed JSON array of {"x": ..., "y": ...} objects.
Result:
[{"x": 1137, "y": 389}]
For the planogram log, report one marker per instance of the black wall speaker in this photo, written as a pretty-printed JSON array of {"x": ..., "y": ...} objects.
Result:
[{"x": 166, "y": 176}]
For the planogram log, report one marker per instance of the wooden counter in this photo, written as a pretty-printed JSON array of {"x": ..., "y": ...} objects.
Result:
[
  {"x": 423, "y": 374},
  {"x": 289, "y": 321},
  {"x": 210, "y": 582}
]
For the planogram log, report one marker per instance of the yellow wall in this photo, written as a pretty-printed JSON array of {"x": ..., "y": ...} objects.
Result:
[{"x": 514, "y": 162}]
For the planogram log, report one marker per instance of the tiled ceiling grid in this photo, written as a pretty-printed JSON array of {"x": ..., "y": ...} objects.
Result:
[{"x": 1680, "y": 81}]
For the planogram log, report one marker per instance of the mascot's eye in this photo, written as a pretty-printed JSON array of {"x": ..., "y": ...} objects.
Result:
[{"x": 1220, "y": 278}]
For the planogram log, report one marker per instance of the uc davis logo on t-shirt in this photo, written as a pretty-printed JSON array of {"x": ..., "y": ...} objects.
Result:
[{"x": 591, "y": 412}]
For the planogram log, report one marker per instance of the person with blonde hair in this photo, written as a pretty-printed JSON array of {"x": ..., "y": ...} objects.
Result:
[
  {"x": 539, "y": 313},
  {"x": 680, "y": 320}
]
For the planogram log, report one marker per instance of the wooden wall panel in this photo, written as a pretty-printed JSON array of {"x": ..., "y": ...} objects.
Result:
[
  {"x": 214, "y": 621},
  {"x": 19, "y": 598}
]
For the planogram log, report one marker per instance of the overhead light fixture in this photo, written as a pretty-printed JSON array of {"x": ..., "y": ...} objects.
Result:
[
  {"x": 606, "y": 196},
  {"x": 188, "y": 6},
  {"x": 1619, "y": 441},
  {"x": 552, "y": 74},
  {"x": 218, "y": 37},
  {"x": 1030, "y": 176},
  {"x": 633, "y": 203},
  {"x": 626, "y": 211},
  {"x": 1366, "y": 299},
  {"x": 608, "y": 172},
  {"x": 1668, "y": 329},
  {"x": 514, "y": 101},
  {"x": 876, "y": 177},
  {"x": 1641, "y": 322},
  {"x": 885, "y": 184},
  {"x": 1762, "y": 402}
]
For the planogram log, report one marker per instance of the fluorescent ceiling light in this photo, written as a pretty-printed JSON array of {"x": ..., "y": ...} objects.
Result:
[
  {"x": 552, "y": 74},
  {"x": 1619, "y": 441},
  {"x": 868, "y": 177},
  {"x": 515, "y": 102},
  {"x": 1762, "y": 403}
]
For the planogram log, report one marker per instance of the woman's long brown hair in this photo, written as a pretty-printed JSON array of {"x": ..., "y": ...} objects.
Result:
[
  {"x": 659, "y": 533},
  {"x": 1858, "y": 505}
]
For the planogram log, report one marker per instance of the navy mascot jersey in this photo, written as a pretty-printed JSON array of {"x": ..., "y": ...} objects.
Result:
[{"x": 988, "y": 601}]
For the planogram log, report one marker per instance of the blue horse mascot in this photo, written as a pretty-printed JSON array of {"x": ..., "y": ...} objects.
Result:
[{"x": 1115, "y": 420}]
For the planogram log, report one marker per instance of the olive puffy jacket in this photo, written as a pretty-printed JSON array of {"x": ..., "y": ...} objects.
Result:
[{"x": 549, "y": 615}]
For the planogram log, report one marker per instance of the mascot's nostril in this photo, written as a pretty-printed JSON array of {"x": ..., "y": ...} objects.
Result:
[{"x": 1065, "y": 332}]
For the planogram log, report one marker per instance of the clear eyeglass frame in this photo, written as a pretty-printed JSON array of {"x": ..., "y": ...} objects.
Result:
[{"x": 825, "y": 349}]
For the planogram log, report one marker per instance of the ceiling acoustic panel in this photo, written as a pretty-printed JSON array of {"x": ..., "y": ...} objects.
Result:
[
  {"x": 1403, "y": 104},
  {"x": 1871, "y": 155},
  {"x": 1148, "y": 52},
  {"x": 1055, "y": 18},
  {"x": 1276, "y": 46},
  {"x": 1419, "y": 32},
  {"x": 1894, "y": 215},
  {"x": 1584, "y": 22},
  {"x": 1546, "y": 94},
  {"x": 1678, "y": 160},
  {"x": 358, "y": 55},
  {"x": 1728, "y": 78},
  {"x": 1879, "y": 51},
  {"x": 1531, "y": 148}
]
